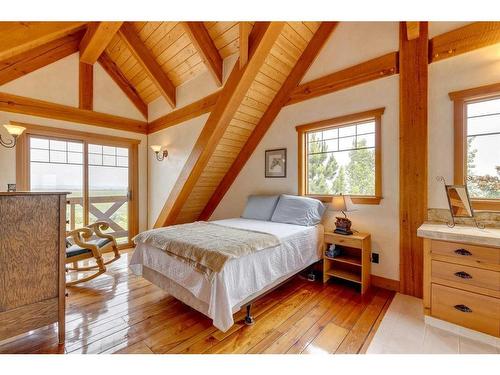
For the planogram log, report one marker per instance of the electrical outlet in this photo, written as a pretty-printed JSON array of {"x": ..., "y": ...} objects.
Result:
[{"x": 374, "y": 257}]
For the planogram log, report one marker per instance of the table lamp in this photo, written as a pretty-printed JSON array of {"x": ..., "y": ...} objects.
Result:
[{"x": 342, "y": 224}]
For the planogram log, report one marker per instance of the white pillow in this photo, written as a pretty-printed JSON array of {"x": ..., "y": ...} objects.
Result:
[
  {"x": 292, "y": 209},
  {"x": 260, "y": 207}
]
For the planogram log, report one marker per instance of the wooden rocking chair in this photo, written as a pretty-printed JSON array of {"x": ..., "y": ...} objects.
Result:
[{"x": 80, "y": 246}]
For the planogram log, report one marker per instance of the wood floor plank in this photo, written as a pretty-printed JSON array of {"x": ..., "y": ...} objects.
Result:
[{"x": 120, "y": 312}]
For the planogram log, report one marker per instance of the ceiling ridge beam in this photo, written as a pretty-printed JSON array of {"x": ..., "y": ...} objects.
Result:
[
  {"x": 28, "y": 61},
  {"x": 96, "y": 39},
  {"x": 263, "y": 37},
  {"x": 119, "y": 78},
  {"x": 299, "y": 70},
  {"x": 40, "y": 108},
  {"x": 206, "y": 48},
  {"x": 149, "y": 63},
  {"x": 188, "y": 112}
]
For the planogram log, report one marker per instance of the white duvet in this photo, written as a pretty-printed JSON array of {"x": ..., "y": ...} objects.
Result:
[{"x": 241, "y": 279}]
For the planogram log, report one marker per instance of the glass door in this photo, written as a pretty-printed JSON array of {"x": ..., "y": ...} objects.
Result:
[
  {"x": 108, "y": 188},
  {"x": 58, "y": 165}
]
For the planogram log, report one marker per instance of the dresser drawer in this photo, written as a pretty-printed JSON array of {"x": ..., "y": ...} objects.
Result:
[
  {"x": 463, "y": 252},
  {"x": 467, "y": 309},
  {"x": 466, "y": 277}
]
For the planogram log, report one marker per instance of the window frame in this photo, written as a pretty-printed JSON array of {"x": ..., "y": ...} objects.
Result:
[
  {"x": 460, "y": 100},
  {"x": 336, "y": 122},
  {"x": 39, "y": 131}
]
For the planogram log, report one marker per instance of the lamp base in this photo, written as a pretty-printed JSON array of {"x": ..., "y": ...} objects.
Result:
[
  {"x": 342, "y": 231},
  {"x": 343, "y": 226}
]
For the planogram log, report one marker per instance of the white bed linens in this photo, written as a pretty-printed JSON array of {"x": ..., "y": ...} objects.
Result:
[{"x": 240, "y": 278}]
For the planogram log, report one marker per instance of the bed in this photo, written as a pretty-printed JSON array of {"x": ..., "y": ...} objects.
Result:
[{"x": 241, "y": 280}]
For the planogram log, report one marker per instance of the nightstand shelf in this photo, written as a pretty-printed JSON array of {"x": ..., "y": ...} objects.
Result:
[
  {"x": 346, "y": 275},
  {"x": 349, "y": 259},
  {"x": 353, "y": 264}
]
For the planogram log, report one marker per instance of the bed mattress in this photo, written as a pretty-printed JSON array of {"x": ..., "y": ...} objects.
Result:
[{"x": 240, "y": 279}]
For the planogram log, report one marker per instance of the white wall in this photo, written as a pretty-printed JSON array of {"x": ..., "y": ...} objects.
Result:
[
  {"x": 473, "y": 69},
  {"x": 380, "y": 220},
  {"x": 58, "y": 83}
]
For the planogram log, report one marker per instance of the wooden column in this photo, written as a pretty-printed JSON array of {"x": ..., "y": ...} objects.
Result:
[
  {"x": 413, "y": 75},
  {"x": 86, "y": 86}
]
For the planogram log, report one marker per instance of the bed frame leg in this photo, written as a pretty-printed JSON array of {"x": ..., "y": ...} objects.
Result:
[{"x": 249, "y": 320}]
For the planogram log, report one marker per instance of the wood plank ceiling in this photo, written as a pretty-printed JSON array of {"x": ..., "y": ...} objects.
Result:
[
  {"x": 171, "y": 46},
  {"x": 284, "y": 54}
]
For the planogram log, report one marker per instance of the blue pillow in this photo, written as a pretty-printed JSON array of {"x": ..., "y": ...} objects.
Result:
[
  {"x": 292, "y": 209},
  {"x": 260, "y": 207}
]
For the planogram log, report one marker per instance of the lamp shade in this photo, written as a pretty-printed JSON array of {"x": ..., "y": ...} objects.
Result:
[
  {"x": 156, "y": 148},
  {"x": 14, "y": 130},
  {"x": 338, "y": 203}
]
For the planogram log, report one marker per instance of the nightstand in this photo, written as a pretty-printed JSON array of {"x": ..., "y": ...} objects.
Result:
[{"x": 354, "y": 262}]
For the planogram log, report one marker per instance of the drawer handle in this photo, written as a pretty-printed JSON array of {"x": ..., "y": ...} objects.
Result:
[
  {"x": 463, "y": 275},
  {"x": 463, "y": 308},
  {"x": 463, "y": 252}
]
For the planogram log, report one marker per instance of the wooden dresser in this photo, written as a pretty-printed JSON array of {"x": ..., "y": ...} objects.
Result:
[
  {"x": 32, "y": 252},
  {"x": 462, "y": 276}
]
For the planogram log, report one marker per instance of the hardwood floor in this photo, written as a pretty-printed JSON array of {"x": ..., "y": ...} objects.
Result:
[{"x": 122, "y": 313}]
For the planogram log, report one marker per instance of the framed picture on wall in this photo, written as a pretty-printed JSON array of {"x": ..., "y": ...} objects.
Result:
[{"x": 275, "y": 163}]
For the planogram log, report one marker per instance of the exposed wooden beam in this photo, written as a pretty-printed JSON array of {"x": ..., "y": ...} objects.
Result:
[
  {"x": 412, "y": 30},
  {"x": 40, "y": 108},
  {"x": 379, "y": 67},
  {"x": 128, "y": 89},
  {"x": 263, "y": 37},
  {"x": 148, "y": 62},
  {"x": 413, "y": 92},
  {"x": 464, "y": 39},
  {"x": 303, "y": 63},
  {"x": 26, "y": 62},
  {"x": 206, "y": 48},
  {"x": 96, "y": 39},
  {"x": 244, "y": 28},
  {"x": 183, "y": 114},
  {"x": 86, "y": 86},
  {"x": 18, "y": 37}
]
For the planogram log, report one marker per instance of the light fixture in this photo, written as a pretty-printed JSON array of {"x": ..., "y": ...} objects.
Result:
[
  {"x": 343, "y": 224},
  {"x": 157, "y": 150},
  {"x": 14, "y": 131}
]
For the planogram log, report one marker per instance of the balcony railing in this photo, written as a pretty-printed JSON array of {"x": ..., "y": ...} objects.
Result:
[{"x": 99, "y": 213}]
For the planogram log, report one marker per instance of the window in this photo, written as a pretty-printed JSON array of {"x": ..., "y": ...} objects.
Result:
[
  {"x": 341, "y": 156},
  {"x": 477, "y": 136}
]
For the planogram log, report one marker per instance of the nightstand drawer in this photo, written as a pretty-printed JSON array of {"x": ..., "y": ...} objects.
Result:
[
  {"x": 467, "y": 309},
  {"x": 470, "y": 278},
  {"x": 343, "y": 240},
  {"x": 469, "y": 253}
]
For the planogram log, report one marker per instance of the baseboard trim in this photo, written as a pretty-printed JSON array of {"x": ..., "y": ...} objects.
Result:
[{"x": 385, "y": 283}]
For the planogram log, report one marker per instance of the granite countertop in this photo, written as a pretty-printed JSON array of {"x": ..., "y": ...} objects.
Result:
[{"x": 461, "y": 233}]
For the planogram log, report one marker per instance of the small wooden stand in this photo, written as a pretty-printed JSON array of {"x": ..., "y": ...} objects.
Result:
[{"x": 354, "y": 262}]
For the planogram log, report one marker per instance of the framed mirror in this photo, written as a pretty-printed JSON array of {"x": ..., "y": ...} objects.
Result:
[{"x": 458, "y": 202}]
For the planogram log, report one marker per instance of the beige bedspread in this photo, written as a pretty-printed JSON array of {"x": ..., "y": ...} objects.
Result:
[{"x": 207, "y": 246}]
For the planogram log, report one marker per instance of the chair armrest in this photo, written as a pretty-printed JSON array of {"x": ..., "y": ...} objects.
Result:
[
  {"x": 80, "y": 235},
  {"x": 98, "y": 227}
]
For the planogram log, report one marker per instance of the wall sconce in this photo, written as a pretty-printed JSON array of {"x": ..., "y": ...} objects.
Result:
[
  {"x": 14, "y": 131},
  {"x": 157, "y": 150}
]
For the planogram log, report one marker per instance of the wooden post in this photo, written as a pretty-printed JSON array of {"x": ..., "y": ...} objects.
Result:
[{"x": 413, "y": 75}]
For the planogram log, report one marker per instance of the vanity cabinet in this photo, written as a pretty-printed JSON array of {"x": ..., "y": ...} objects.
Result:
[{"x": 462, "y": 276}]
